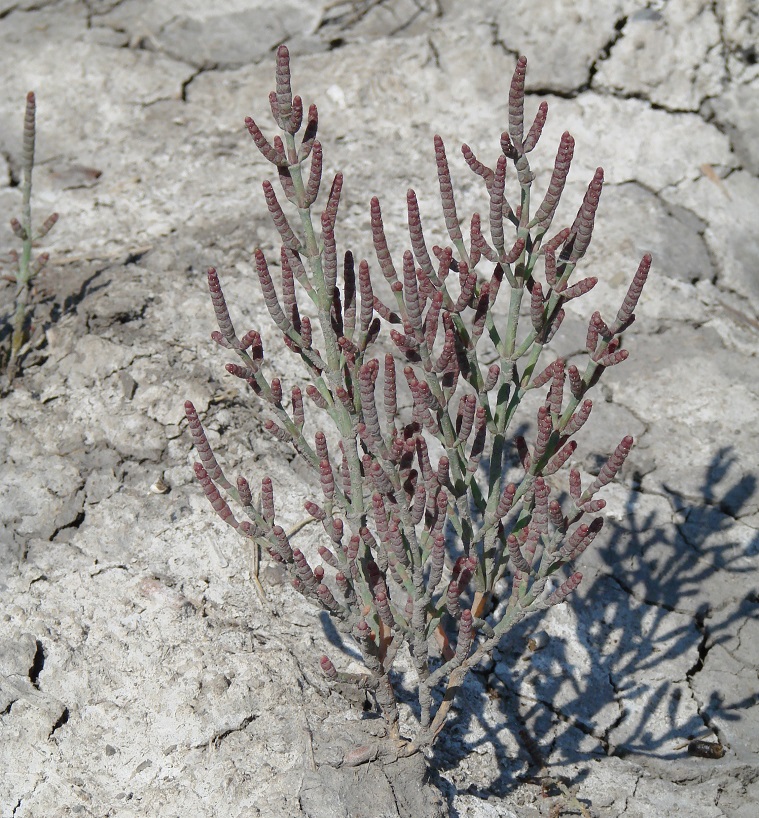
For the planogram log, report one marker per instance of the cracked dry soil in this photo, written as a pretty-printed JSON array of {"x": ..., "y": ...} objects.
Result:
[{"x": 140, "y": 674}]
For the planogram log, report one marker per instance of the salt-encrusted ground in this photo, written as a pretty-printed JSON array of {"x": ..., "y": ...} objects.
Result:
[{"x": 140, "y": 673}]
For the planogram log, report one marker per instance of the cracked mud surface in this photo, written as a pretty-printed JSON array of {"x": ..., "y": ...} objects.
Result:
[{"x": 139, "y": 672}]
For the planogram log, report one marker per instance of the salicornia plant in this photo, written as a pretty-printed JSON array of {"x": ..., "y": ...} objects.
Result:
[
  {"x": 413, "y": 549},
  {"x": 27, "y": 268}
]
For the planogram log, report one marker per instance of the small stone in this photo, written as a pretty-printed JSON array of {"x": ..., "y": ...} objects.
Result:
[
  {"x": 128, "y": 385},
  {"x": 159, "y": 487}
]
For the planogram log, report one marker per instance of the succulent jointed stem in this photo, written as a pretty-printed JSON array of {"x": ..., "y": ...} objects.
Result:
[
  {"x": 389, "y": 515},
  {"x": 27, "y": 268}
]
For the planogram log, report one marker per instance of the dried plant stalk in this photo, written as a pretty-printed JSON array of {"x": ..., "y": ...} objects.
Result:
[{"x": 391, "y": 516}]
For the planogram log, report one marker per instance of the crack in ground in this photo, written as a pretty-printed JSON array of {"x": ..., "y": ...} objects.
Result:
[
  {"x": 27, "y": 9},
  {"x": 610, "y": 749},
  {"x": 714, "y": 6},
  {"x": 420, "y": 9},
  {"x": 703, "y": 650},
  {"x": 589, "y": 86},
  {"x": 75, "y": 523},
  {"x": 356, "y": 10},
  {"x": 217, "y": 738},
  {"x": 586, "y": 729},
  {"x": 654, "y": 603},
  {"x": 392, "y": 791},
  {"x": 714, "y": 258},
  {"x": 700, "y": 557},
  {"x": 351, "y": 15},
  {"x": 102, "y": 569},
  {"x": 496, "y": 40},
  {"x": 655, "y": 106},
  {"x": 62, "y": 719},
  {"x": 605, "y": 52},
  {"x": 148, "y": 41},
  {"x": 38, "y": 663},
  {"x": 635, "y": 789},
  {"x": 692, "y": 502},
  {"x": 91, "y": 13},
  {"x": 186, "y": 84},
  {"x": 698, "y": 666}
]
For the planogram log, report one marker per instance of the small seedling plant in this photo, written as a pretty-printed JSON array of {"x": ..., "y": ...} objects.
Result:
[
  {"x": 27, "y": 267},
  {"x": 413, "y": 549}
]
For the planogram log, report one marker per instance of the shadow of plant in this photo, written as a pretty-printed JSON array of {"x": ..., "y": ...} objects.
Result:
[{"x": 616, "y": 674}]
